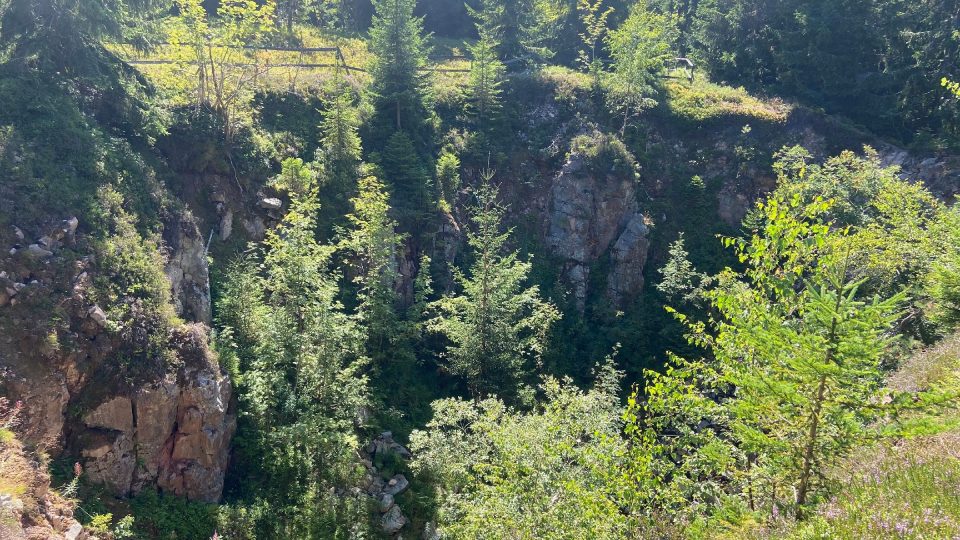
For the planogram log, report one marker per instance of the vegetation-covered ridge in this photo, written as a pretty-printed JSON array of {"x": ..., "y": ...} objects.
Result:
[{"x": 502, "y": 269}]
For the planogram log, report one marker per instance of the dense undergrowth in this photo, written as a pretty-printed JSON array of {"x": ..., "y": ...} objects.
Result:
[{"x": 801, "y": 384}]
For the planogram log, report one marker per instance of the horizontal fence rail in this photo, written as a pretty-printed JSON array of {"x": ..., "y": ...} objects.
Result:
[{"x": 341, "y": 59}]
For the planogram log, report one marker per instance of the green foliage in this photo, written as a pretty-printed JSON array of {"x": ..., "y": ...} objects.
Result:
[
  {"x": 225, "y": 69},
  {"x": 680, "y": 281},
  {"x": 340, "y": 148},
  {"x": 374, "y": 245},
  {"x": 521, "y": 29},
  {"x": 547, "y": 473},
  {"x": 132, "y": 286},
  {"x": 496, "y": 327},
  {"x": 399, "y": 53},
  {"x": 605, "y": 153},
  {"x": 448, "y": 177},
  {"x": 902, "y": 491},
  {"x": 486, "y": 76},
  {"x": 410, "y": 182},
  {"x": 301, "y": 358},
  {"x": 295, "y": 177},
  {"x": 594, "y": 21},
  {"x": 824, "y": 52},
  {"x": 167, "y": 516},
  {"x": 902, "y": 236},
  {"x": 795, "y": 365},
  {"x": 55, "y": 35},
  {"x": 639, "y": 49},
  {"x": 702, "y": 101}
]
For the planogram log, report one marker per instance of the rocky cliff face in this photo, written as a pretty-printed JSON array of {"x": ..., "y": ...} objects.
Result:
[
  {"x": 589, "y": 215},
  {"x": 132, "y": 421},
  {"x": 173, "y": 433}
]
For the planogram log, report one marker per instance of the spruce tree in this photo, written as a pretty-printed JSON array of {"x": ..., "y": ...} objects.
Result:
[
  {"x": 486, "y": 76},
  {"x": 399, "y": 55},
  {"x": 496, "y": 326},
  {"x": 339, "y": 153},
  {"x": 519, "y": 29},
  {"x": 373, "y": 244},
  {"x": 340, "y": 149},
  {"x": 300, "y": 358},
  {"x": 410, "y": 182}
]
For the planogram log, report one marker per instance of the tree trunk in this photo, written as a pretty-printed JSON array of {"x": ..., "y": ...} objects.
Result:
[{"x": 808, "y": 451}]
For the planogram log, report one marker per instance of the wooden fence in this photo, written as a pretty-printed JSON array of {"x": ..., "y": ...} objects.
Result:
[{"x": 339, "y": 59}]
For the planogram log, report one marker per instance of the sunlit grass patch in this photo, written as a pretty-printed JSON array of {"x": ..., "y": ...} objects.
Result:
[{"x": 703, "y": 100}]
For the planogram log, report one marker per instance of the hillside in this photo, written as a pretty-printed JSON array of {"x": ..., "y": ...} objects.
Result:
[{"x": 519, "y": 270}]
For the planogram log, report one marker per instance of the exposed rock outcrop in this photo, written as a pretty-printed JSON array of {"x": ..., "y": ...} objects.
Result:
[
  {"x": 174, "y": 433},
  {"x": 187, "y": 269},
  {"x": 165, "y": 421},
  {"x": 589, "y": 213}
]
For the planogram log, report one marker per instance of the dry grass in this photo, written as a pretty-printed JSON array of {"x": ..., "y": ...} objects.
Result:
[{"x": 929, "y": 368}]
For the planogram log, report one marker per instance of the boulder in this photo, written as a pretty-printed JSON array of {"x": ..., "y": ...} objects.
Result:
[
  {"x": 385, "y": 503},
  {"x": 397, "y": 485},
  {"x": 34, "y": 250},
  {"x": 393, "y": 520},
  {"x": 271, "y": 203},
  {"x": 98, "y": 316}
]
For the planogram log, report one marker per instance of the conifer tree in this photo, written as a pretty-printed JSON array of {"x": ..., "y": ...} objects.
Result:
[
  {"x": 399, "y": 53},
  {"x": 794, "y": 377},
  {"x": 410, "y": 182},
  {"x": 486, "y": 76},
  {"x": 639, "y": 48},
  {"x": 300, "y": 357},
  {"x": 340, "y": 149},
  {"x": 373, "y": 243},
  {"x": 518, "y": 29},
  {"x": 496, "y": 326}
]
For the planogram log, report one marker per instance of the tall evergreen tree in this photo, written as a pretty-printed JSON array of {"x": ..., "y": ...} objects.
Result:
[
  {"x": 300, "y": 358},
  {"x": 399, "y": 54},
  {"x": 340, "y": 150},
  {"x": 520, "y": 29},
  {"x": 497, "y": 326},
  {"x": 486, "y": 77},
  {"x": 373, "y": 244},
  {"x": 410, "y": 182}
]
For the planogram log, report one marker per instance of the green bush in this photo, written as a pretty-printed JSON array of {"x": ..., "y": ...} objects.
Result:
[
  {"x": 605, "y": 153},
  {"x": 165, "y": 517}
]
